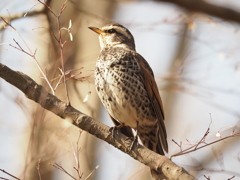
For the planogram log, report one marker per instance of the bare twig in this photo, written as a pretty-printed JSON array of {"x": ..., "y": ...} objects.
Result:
[
  {"x": 71, "y": 77},
  {"x": 4, "y": 178},
  {"x": 202, "y": 141},
  {"x": 38, "y": 169},
  {"x": 30, "y": 53},
  {"x": 60, "y": 41},
  {"x": 76, "y": 156},
  {"x": 208, "y": 178},
  {"x": 76, "y": 151},
  {"x": 92, "y": 172},
  {"x": 205, "y": 135},
  {"x": 179, "y": 145},
  {"x": 23, "y": 14},
  {"x": 9, "y": 174},
  {"x": 231, "y": 178},
  {"x": 59, "y": 167}
]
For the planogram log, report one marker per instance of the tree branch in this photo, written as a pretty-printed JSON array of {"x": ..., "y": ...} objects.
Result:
[
  {"x": 207, "y": 8},
  {"x": 160, "y": 164},
  {"x": 12, "y": 17}
]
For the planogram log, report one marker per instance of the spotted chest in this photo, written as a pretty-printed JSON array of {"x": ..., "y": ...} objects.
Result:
[{"x": 120, "y": 88}]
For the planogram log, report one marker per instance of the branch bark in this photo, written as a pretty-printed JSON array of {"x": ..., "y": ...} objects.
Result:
[
  {"x": 160, "y": 164},
  {"x": 207, "y": 8}
]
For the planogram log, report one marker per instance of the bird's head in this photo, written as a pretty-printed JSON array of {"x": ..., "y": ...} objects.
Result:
[{"x": 114, "y": 35}]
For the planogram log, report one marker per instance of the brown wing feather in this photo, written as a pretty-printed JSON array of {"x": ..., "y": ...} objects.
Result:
[{"x": 152, "y": 89}]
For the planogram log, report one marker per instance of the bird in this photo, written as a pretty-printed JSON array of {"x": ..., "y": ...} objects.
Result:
[{"x": 126, "y": 87}]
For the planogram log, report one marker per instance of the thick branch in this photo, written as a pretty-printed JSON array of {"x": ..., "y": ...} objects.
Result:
[
  {"x": 160, "y": 164},
  {"x": 207, "y": 8}
]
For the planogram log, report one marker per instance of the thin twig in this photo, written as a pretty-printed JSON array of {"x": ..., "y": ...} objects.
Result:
[
  {"x": 231, "y": 178},
  {"x": 4, "y": 178},
  {"x": 38, "y": 169},
  {"x": 196, "y": 146},
  {"x": 30, "y": 53},
  {"x": 208, "y": 178},
  {"x": 60, "y": 42},
  {"x": 9, "y": 174},
  {"x": 92, "y": 172},
  {"x": 24, "y": 14},
  {"x": 60, "y": 81},
  {"x": 59, "y": 167},
  {"x": 203, "y": 138},
  {"x": 76, "y": 155},
  {"x": 80, "y": 173}
]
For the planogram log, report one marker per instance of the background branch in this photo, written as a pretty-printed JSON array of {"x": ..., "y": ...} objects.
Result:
[
  {"x": 207, "y": 8},
  {"x": 161, "y": 164},
  {"x": 12, "y": 17}
]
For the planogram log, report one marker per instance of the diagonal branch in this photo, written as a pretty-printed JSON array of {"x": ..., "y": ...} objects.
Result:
[
  {"x": 30, "y": 13},
  {"x": 161, "y": 164},
  {"x": 207, "y": 8}
]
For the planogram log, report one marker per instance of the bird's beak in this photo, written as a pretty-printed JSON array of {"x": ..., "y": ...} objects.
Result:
[{"x": 97, "y": 30}]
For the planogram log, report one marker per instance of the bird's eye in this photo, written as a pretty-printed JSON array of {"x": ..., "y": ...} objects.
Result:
[{"x": 111, "y": 31}]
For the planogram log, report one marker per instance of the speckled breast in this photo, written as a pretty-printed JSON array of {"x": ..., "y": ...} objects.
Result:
[{"x": 120, "y": 87}]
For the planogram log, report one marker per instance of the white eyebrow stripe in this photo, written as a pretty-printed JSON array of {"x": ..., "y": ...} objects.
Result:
[{"x": 119, "y": 29}]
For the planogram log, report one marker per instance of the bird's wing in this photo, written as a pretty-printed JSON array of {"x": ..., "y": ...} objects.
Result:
[{"x": 152, "y": 90}]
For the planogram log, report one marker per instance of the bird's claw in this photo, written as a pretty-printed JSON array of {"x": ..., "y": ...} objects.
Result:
[
  {"x": 126, "y": 130},
  {"x": 114, "y": 130},
  {"x": 135, "y": 141}
]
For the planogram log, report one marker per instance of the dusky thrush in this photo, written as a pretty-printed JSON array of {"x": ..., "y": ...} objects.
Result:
[{"x": 125, "y": 85}]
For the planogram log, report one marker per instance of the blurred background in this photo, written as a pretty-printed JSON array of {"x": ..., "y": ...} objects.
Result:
[{"x": 195, "y": 59}]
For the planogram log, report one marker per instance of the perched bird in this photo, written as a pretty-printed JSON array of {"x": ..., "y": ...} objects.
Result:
[{"x": 126, "y": 86}]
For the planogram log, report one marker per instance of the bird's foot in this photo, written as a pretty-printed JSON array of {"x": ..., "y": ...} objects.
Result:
[
  {"x": 126, "y": 130},
  {"x": 113, "y": 130},
  {"x": 135, "y": 141}
]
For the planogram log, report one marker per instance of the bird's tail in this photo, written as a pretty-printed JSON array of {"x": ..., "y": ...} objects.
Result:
[
  {"x": 152, "y": 141},
  {"x": 155, "y": 139}
]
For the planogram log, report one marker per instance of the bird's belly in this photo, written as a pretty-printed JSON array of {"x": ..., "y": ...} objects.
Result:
[
  {"x": 122, "y": 110},
  {"x": 121, "y": 105},
  {"x": 124, "y": 97}
]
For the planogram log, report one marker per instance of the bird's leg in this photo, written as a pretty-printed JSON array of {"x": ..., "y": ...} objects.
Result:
[
  {"x": 126, "y": 130},
  {"x": 135, "y": 139},
  {"x": 115, "y": 129}
]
